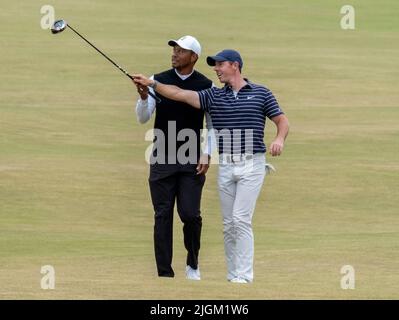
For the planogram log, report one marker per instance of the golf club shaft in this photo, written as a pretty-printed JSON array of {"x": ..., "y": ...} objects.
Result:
[{"x": 110, "y": 60}]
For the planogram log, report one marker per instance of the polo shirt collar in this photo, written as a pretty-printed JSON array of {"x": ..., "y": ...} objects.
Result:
[{"x": 249, "y": 85}]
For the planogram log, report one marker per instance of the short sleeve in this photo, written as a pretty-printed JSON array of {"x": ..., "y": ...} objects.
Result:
[
  {"x": 271, "y": 106},
  {"x": 206, "y": 98}
]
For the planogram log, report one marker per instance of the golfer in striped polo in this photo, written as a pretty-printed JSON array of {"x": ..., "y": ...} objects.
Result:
[{"x": 238, "y": 112}]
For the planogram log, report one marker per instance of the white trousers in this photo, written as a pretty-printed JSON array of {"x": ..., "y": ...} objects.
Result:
[{"x": 239, "y": 186}]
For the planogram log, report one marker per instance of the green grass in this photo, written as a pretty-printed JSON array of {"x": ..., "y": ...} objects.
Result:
[{"x": 73, "y": 179}]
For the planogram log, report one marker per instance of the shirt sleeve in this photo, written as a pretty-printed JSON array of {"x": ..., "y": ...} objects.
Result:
[
  {"x": 271, "y": 106},
  {"x": 210, "y": 143},
  {"x": 206, "y": 98},
  {"x": 145, "y": 108}
]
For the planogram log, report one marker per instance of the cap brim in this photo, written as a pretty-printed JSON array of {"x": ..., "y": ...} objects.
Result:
[
  {"x": 211, "y": 60},
  {"x": 172, "y": 42}
]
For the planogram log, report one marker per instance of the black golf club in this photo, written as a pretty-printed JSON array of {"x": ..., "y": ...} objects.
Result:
[{"x": 60, "y": 25}]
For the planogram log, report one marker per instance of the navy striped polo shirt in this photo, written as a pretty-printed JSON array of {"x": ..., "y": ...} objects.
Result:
[{"x": 239, "y": 121}]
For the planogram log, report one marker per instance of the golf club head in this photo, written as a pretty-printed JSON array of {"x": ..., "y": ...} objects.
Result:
[{"x": 58, "y": 26}]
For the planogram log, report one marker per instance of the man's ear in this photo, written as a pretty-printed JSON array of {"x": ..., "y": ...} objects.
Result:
[{"x": 194, "y": 57}]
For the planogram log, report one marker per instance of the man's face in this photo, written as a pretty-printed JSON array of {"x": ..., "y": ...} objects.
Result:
[
  {"x": 182, "y": 58},
  {"x": 225, "y": 70}
]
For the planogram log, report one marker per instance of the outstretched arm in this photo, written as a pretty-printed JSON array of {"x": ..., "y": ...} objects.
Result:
[{"x": 169, "y": 91}]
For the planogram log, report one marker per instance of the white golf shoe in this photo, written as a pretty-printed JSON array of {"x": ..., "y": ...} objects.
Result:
[{"x": 193, "y": 274}]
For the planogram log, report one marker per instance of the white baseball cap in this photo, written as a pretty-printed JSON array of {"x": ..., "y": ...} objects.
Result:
[{"x": 188, "y": 43}]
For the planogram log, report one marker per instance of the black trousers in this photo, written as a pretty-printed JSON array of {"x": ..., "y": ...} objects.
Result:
[{"x": 171, "y": 183}]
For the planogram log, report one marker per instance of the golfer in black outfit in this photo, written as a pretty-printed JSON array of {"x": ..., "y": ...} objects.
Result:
[{"x": 170, "y": 179}]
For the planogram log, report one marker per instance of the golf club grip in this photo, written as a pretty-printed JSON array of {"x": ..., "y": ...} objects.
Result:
[{"x": 157, "y": 99}]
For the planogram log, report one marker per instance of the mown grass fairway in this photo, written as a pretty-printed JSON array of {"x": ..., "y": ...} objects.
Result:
[{"x": 73, "y": 179}]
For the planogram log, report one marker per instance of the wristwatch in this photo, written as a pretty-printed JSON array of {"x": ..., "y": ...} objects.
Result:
[{"x": 154, "y": 84}]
